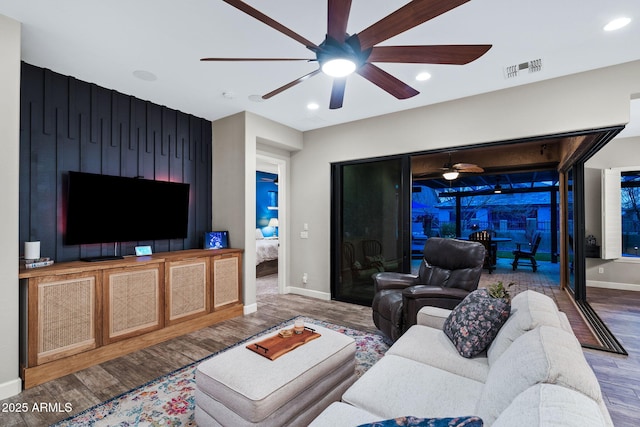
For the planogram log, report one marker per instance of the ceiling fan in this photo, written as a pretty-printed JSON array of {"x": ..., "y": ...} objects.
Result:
[
  {"x": 269, "y": 179},
  {"x": 451, "y": 171},
  {"x": 341, "y": 54}
]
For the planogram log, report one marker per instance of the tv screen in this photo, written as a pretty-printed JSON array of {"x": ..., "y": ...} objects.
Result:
[{"x": 106, "y": 209}]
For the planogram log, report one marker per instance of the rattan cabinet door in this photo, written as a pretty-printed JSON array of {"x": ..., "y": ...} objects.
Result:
[
  {"x": 227, "y": 279},
  {"x": 134, "y": 301},
  {"x": 62, "y": 319},
  {"x": 187, "y": 289}
]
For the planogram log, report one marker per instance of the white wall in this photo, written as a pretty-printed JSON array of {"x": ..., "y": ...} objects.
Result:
[
  {"x": 235, "y": 142},
  {"x": 622, "y": 273},
  {"x": 582, "y": 101},
  {"x": 10, "y": 383}
]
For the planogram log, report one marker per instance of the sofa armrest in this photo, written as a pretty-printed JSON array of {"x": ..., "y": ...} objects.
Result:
[
  {"x": 391, "y": 280},
  {"x": 433, "y": 317},
  {"x": 418, "y": 296}
]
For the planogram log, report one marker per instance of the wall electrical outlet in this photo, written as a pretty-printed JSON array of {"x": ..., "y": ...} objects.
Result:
[
  {"x": 305, "y": 277},
  {"x": 600, "y": 270}
]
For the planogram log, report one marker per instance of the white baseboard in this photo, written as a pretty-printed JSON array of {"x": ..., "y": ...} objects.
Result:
[
  {"x": 251, "y": 308},
  {"x": 613, "y": 285},
  {"x": 309, "y": 293},
  {"x": 10, "y": 388}
]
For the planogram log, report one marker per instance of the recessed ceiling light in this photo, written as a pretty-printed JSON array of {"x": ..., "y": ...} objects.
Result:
[
  {"x": 423, "y": 76},
  {"x": 312, "y": 106},
  {"x": 616, "y": 24},
  {"x": 145, "y": 75}
]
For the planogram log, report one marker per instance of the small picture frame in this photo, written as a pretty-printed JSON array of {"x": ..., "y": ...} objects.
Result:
[
  {"x": 143, "y": 250},
  {"x": 216, "y": 240}
]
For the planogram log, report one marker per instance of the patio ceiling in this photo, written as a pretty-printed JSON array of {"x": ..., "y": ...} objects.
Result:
[
  {"x": 509, "y": 181},
  {"x": 523, "y": 164}
]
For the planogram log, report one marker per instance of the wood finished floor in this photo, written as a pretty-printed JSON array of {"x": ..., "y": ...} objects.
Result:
[{"x": 619, "y": 376}]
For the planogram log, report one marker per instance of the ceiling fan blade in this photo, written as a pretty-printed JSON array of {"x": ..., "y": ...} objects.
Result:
[
  {"x": 410, "y": 15},
  {"x": 337, "y": 19},
  {"x": 240, "y": 5},
  {"x": 440, "y": 54},
  {"x": 468, "y": 167},
  {"x": 386, "y": 81},
  {"x": 290, "y": 84},
  {"x": 255, "y": 59},
  {"x": 337, "y": 93}
]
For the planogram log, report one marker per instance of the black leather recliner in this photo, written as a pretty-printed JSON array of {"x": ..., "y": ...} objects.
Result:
[{"x": 449, "y": 271}]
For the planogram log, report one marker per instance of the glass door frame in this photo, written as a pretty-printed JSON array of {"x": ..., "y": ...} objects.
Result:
[{"x": 404, "y": 190}]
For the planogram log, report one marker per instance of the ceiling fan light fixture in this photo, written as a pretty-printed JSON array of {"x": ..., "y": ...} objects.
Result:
[
  {"x": 450, "y": 175},
  {"x": 338, "y": 67}
]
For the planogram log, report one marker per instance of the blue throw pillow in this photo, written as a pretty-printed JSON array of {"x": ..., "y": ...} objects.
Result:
[
  {"x": 475, "y": 322},
  {"x": 428, "y": 422}
]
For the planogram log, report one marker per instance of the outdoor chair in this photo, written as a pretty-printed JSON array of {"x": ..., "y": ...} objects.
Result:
[
  {"x": 372, "y": 251},
  {"x": 491, "y": 248},
  {"x": 359, "y": 273},
  {"x": 529, "y": 254}
]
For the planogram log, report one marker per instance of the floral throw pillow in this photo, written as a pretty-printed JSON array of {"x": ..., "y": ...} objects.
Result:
[
  {"x": 428, "y": 422},
  {"x": 475, "y": 322}
]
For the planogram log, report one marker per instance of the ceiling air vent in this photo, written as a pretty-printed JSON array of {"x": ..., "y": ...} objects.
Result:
[{"x": 515, "y": 70}]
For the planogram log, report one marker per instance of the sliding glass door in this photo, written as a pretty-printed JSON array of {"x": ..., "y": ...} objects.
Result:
[{"x": 370, "y": 230}]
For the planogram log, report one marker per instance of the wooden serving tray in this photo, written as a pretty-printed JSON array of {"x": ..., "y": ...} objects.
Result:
[{"x": 275, "y": 346}]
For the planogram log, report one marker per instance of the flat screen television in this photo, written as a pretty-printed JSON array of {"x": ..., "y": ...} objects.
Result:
[{"x": 107, "y": 209}]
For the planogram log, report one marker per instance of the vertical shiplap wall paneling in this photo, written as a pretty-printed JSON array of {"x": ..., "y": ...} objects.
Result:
[
  {"x": 44, "y": 188},
  {"x": 177, "y": 161},
  {"x": 163, "y": 157},
  {"x": 67, "y": 124},
  {"x": 31, "y": 122}
]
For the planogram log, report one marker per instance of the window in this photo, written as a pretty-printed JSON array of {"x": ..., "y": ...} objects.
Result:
[
  {"x": 621, "y": 213},
  {"x": 630, "y": 207}
]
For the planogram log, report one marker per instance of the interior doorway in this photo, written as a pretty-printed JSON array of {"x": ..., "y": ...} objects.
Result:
[{"x": 271, "y": 223}]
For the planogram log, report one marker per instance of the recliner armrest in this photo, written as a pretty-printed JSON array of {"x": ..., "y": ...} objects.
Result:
[
  {"x": 434, "y": 292},
  {"x": 418, "y": 296},
  {"x": 391, "y": 280}
]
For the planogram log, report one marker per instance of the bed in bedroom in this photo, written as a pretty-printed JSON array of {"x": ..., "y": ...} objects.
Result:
[{"x": 266, "y": 255}]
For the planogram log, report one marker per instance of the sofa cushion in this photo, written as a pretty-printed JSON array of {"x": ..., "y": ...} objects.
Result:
[
  {"x": 396, "y": 386},
  {"x": 432, "y": 316},
  {"x": 529, "y": 309},
  {"x": 432, "y": 347},
  {"x": 340, "y": 414},
  {"x": 427, "y": 422},
  {"x": 543, "y": 355},
  {"x": 475, "y": 322},
  {"x": 549, "y": 404}
]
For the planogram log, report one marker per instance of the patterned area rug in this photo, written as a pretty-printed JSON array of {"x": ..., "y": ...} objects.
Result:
[{"x": 169, "y": 401}]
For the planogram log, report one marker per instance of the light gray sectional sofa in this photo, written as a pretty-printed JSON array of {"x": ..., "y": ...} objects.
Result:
[{"x": 534, "y": 373}]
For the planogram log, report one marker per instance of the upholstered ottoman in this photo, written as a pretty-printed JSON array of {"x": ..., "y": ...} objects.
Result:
[{"x": 241, "y": 388}]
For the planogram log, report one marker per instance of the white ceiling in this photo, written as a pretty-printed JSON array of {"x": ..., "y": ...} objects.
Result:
[{"x": 104, "y": 42}]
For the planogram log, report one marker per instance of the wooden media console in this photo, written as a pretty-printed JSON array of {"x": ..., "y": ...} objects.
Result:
[{"x": 78, "y": 314}]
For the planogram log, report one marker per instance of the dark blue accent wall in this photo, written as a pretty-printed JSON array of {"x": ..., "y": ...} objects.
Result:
[
  {"x": 70, "y": 125},
  {"x": 266, "y": 196}
]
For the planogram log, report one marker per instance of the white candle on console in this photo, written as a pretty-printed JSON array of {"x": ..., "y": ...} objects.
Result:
[{"x": 31, "y": 250}]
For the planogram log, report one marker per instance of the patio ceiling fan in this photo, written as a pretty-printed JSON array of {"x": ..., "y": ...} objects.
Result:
[
  {"x": 341, "y": 54},
  {"x": 451, "y": 171}
]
